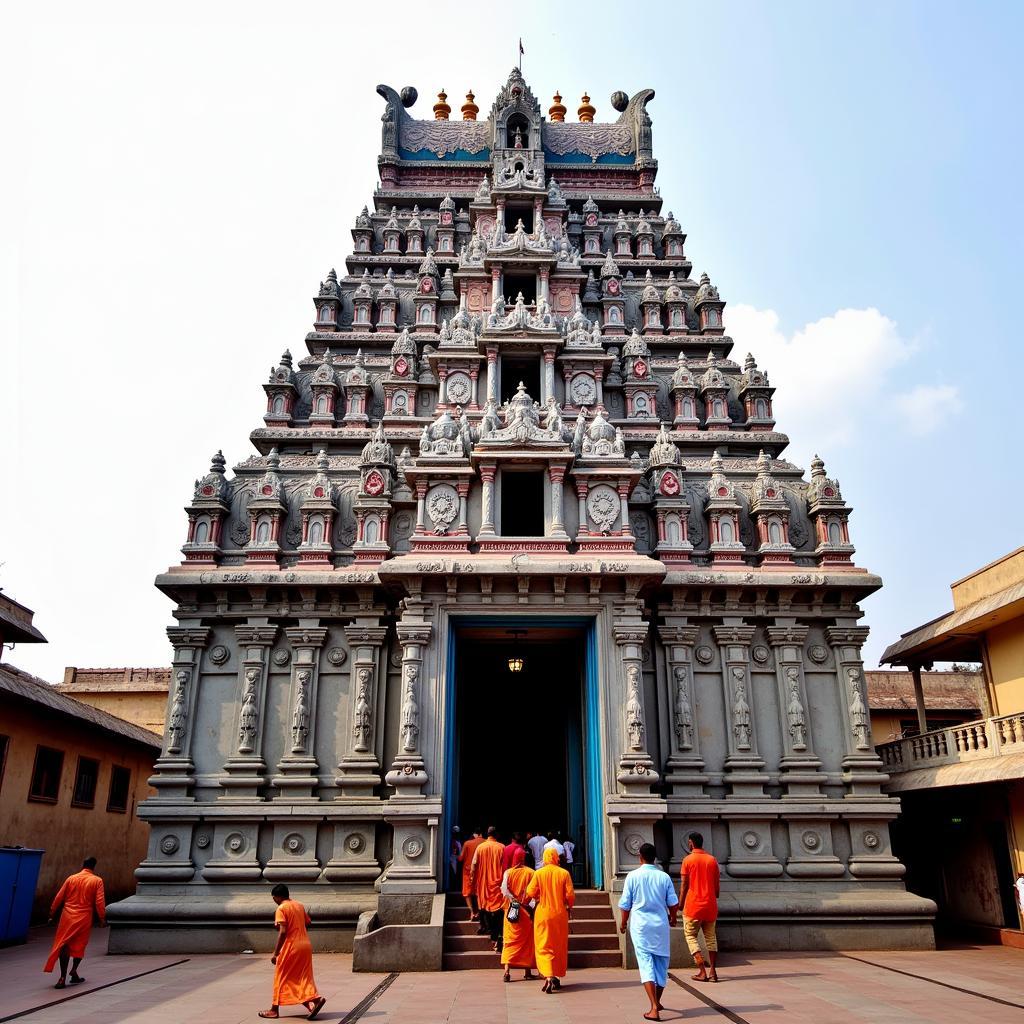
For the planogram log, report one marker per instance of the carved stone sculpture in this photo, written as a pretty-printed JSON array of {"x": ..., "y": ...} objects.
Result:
[
  {"x": 683, "y": 711},
  {"x": 741, "y": 728},
  {"x": 362, "y": 724},
  {"x": 178, "y": 717},
  {"x": 300, "y": 717},
  {"x": 795, "y": 711},
  {"x": 634, "y": 709},
  {"x": 248, "y": 718},
  {"x": 859, "y": 721},
  {"x": 410, "y": 710}
]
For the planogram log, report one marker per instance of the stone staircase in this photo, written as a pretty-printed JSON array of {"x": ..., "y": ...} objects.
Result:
[{"x": 593, "y": 937}]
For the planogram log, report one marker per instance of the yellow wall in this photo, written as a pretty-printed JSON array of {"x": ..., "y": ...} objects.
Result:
[
  {"x": 70, "y": 834},
  {"x": 1005, "y": 657},
  {"x": 144, "y": 709},
  {"x": 885, "y": 725},
  {"x": 990, "y": 579}
]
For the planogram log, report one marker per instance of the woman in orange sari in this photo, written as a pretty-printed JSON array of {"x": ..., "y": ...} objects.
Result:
[
  {"x": 517, "y": 947},
  {"x": 292, "y": 959},
  {"x": 552, "y": 887}
]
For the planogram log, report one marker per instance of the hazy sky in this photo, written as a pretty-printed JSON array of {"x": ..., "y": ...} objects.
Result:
[{"x": 173, "y": 187}]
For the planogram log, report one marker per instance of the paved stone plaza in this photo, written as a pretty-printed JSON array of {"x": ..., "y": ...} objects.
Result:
[{"x": 977, "y": 983}]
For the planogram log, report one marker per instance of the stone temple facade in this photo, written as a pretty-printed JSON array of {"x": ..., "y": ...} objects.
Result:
[{"x": 519, "y": 427}]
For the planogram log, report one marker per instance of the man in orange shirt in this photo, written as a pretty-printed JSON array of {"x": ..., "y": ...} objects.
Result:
[
  {"x": 698, "y": 893},
  {"x": 81, "y": 895},
  {"x": 466, "y": 860},
  {"x": 486, "y": 872}
]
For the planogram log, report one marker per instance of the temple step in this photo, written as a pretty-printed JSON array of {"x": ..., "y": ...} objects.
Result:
[
  {"x": 482, "y": 943},
  {"x": 578, "y": 960},
  {"x": 596, "y": 926}
]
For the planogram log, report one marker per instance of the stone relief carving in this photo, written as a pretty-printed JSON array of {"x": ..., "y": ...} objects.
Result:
[
  {"x": 362, "y": 724},
  {"x": 604, "y": 507},
  {"x": 795, "y": 711},
  {"x": 442, "y": 507},
  {"x": 859, "y": 721},
  {"x": 249, "y": 716},
  {"x": 634, "y": 709},
  {"x": 178, "y": 717},
  {"x": 300, "y": 717},
  {"x": 741, "y": 727},
  {"x": 410, "y": 709},
  {"x": 683, "y": 711}
]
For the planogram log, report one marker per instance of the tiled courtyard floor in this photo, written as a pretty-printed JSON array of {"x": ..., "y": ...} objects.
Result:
[{"x": 873, "y": 988}]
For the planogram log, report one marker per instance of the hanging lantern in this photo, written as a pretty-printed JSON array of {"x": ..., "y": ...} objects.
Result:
[{"x": 515, "y": 661}]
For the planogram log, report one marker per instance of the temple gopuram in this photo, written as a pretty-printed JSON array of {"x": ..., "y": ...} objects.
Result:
[{"x": 519, "y": 545}]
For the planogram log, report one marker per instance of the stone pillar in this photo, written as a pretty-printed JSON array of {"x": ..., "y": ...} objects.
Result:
[
  {"x": 174, "y": 768},
  {"x": 548, "y": 387},
  {"x": 556, "y": 474},
  {"x": 861, "y": 765},
  {"x": 624, "y": 527},
  {"x": 495, "y": 284},
  {"x": 474, "y": 378},
  {"x": 581, "y": 494},
  {"x": 801, "y": 773},
  {"x": 545, "y": 277},
  {"x": 421, "y": 499},
  {"x": 413, "y": 816},
  {"x": 463, "y": 489},
  {"x": 492, "y": 374},
  {"x": 743, "y": 764},
  {"x": 442, "y": 386},
  {"x": 685, "y": 766},
  {"x": 636, "y": 767},
  {"x": 244, "y": 771},
  {"x": 359, "y": 768},
  {"x": 487, "y": 473}
]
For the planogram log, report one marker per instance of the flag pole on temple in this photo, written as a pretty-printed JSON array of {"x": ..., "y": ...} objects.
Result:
[{"x": 521, "y": 52}]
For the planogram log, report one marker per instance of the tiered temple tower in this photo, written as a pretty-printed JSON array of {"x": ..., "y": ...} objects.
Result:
[{"x": 518, "y": 408}]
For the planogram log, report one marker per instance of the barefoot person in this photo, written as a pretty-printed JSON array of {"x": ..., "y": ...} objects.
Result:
[
  {"x": 466, "y": 860},
  {"x": 292, "y": 959},
  {"x": 698, "y": 893},
  {"x": 517, "y": 945},
  {"x": 649, "y": 906},
  {"x": 486, "y": 875},
  {"x": 552, "y": 888},
  {"x": 81, "y": 896}
]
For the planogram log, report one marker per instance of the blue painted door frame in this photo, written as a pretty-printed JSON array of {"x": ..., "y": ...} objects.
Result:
[{"x": 585, "y": 796}]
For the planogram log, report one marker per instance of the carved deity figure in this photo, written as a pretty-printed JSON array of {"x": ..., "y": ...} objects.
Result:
[
  {"x": 683, "y": 712},
  {"x": 553, "y": 417},
  {"x": 795, "y": 711},
  {"x": 740, "y": 711},
  {"x": 362, "y": 719},
  {"x": 858, "y": 712},
  {"x": 179, "y": 714},
  {"x": 410, "y": 709},
  {"x": 634, "y": 709},
  {"x": 300, "y": 716},
  {"x": 248, "y": 717}
]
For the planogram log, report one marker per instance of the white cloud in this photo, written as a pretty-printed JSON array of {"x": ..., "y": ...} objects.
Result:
[{"x": 835, "y": 378}]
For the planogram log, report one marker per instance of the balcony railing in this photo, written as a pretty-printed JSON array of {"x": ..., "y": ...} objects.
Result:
[{"x": 971, "y": 741}]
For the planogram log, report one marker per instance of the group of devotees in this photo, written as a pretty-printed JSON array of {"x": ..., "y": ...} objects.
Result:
[{"x": 524, "y": 910}]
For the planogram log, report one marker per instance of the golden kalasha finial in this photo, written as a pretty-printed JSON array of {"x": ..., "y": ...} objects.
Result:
[
  {"x": 469, "y": 108},
  {"x": 557, "y": 110},
  {"x": 587, "y": 109},
  {"x": 441, "y": 108}
]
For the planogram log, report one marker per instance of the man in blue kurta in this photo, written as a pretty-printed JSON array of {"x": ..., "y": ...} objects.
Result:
[{"x": 649, "y": 905}]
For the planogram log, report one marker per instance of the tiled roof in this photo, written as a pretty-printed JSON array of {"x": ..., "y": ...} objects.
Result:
[
  {"x": 943, "y": 691},
  {"x": 28, "y": 687}
]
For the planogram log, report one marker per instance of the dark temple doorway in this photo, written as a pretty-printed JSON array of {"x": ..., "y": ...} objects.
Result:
[{"x": 518, "y": 750}]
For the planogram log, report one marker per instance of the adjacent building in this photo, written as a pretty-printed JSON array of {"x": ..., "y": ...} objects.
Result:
[
  {"x": 517, "y": 465},
  {"x": 136, "y": 695},
  {"x": 950, "y": 698},
  {"x": 962, "y": 785}
]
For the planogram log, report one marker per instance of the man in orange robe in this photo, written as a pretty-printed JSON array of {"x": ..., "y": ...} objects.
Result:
[
  {"x": 517, "y": 937},
  {"x": 551, "y": 887},
  {"x": 292, "y": 959},
  {"x": 466, "y": 860},
  {"x": 81, "y": 896},
  {"x": 487, "y": 872}
]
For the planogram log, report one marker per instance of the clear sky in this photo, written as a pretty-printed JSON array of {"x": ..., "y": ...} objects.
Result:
[{"x": 175, "y": 185}]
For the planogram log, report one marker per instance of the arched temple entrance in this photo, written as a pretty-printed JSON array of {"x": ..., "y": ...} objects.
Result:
[{"x": 522, "y": 748}]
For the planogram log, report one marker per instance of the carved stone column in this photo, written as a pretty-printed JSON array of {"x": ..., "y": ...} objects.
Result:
[
  {"x": 556, "y": 475},
  {"x": 492, "y": 374},
  {"x": 636, "y": 767},
  {"x": 411, "y": 814},
  {"x": 743, "y": 764},
  {"x": 684, "y": 770},
  {"x": 174, "y": 768},
  {"x": 861, "y": 765},
  {"x": 359, "y": 769},
  {"x": 801, "y": 773},
  {"x": 548, "y": 387},
  {"x": 487, "y": 474},
  {"x": 582, "y": 488},
  {"x": 245, "y": 768},
  {"x": 296, "y": 778}
]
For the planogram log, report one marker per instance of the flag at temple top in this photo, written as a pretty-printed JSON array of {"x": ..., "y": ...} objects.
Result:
[{"x": 521, "y": 50}]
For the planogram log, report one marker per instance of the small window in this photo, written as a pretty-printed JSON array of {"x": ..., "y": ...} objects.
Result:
[
  {"x": 120, "y": 781},
  {"x": 46, "y": 773},
  {"x": 86, "y": 776},
  {"x": 5, "y": 743},
  {"x": 522, "y": 503},
  {"x": 515, "y": 214},
  {"x": 526, "y": 284}
]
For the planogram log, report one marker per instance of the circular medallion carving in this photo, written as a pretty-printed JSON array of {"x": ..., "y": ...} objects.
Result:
[
  {"x": 235, "y": 843},
  {"x": 202, "y": 841},
  {"x": 169, "y": 845},
  {"x": 818, "y": 654},
  {"x": 633, "y": 843},
  {"x": 282, "y": 656},
  {"x": 413, "y": 847},
  {"x": 811, "y": 840},
  {"x": 374, "y": 483},
  {"x": 337, "y": 655},
  {"x": 613, "y": 286},
  {"x": 751, "y": 840},
  {"x": 396, "y": 658},
  {"x": 704, "y": 654},
  {"x": 640, "y": 369},
  {"x": 583, "y": 390},
  {"x": 355, "y": 842},
  {"x": 403, "y": 525},
  {"x": 442, "y": 507},
  {"x": 459, "y": 389},
  {"x": 871, "y": 840},
  {"x": 670, "y": 484},
  {"x": 218, "y": 654},
  {"x": 604, "y": 507},
  {"x": 294, "y": 843},
  {"x": 401, "y": 366},
  {"x": 760, "y": 654}
]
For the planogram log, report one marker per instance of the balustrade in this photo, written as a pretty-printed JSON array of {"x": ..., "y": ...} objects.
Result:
[{"x": 970, "y": 741}]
